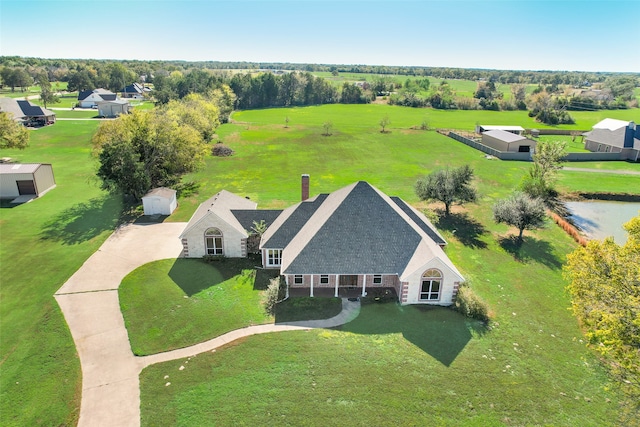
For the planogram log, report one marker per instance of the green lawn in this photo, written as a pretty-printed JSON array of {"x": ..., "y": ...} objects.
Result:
[
  {"x": 172, "y": 304},
  {"x": 43, "y": 243},
  {"x": 530, "y": 368}
]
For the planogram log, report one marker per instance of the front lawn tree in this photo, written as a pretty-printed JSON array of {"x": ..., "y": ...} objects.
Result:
[
  {"x": 47, "y": 95},
  {"x": 449, "y": 186},
  {"x": 144, "y": 150},
  {"x": 521, "y": 211},
  {"x": 327, "y": 128}
]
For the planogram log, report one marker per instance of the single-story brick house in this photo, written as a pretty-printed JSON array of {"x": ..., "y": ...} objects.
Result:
[
  {"x": 502, "y": 140},
  {"x": 614, "y": 136},
  {"x": 356, "y": 238}
]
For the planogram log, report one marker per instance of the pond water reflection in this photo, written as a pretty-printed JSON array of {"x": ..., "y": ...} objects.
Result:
[{"x": 601, "y": 219}]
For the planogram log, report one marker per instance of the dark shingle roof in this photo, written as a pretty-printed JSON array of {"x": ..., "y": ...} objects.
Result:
[
  {"x": 294, "y": 223},
  {"x": 31, "y": 110},
  {"x": 423, "y": 225},
  {"x": 247, "y": 217},
  {"x": 363, "y": 234},
  {"x": 83, "y": 94}
]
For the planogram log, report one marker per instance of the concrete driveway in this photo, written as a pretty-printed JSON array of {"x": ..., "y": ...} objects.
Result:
[{"x": 89, "y": 302}]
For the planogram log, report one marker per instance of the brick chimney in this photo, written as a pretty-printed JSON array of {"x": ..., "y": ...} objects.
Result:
[{"x": 305, "y": 187}]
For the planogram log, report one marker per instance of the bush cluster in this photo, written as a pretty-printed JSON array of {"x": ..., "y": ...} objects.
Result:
[
  {"x": 273, "y": 295},
  {"x": 209, "y": 259},
  {"x": 221, "y": 150},
  {"x": 568, "y": 228},
  {"x": 470, "y": 305}
]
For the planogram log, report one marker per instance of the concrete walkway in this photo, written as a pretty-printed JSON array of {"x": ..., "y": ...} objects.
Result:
[{"x": 89, "y": 302}]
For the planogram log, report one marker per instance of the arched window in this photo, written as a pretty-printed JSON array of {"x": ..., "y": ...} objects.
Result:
[
  {"x": 213, "y": 241},
  {"x": 431, "y": 284}
]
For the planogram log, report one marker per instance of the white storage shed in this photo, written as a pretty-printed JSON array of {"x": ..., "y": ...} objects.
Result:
[{"x": 160, "y": 201}]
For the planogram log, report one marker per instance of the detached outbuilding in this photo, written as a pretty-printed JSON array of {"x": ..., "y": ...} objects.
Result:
[
  {"x": 502, "y": 140},
  {"x": 25, "y": 179},
  {"x": 113, "y": 108},
  {"x": 160, "y": 201}
]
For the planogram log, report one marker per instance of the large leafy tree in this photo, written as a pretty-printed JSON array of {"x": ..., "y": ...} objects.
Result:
[
  {"x": 47, "y": 95},
  {"x": 12, "y": 134},
  {"x": 144, "y": 150},
  {"x": 604, "y": 283},
  {"x": 520, "y": 211},
  {"x": 449, "y": 186}
]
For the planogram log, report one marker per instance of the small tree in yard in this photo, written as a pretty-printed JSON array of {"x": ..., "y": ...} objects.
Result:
[
  {"x": 327, "y": 128},
  {"x": 547, "y": 161},
  {"x": 286, "y": 122},
  {"x": 520, "y": 211},
  {"x": 384, "y": 122},
  {"x": 449, "y": 186}
]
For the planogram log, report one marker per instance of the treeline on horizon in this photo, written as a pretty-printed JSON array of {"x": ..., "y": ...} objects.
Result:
[
  {"x": 143, "y": 67},
  {"x": 261, "y": 85}
]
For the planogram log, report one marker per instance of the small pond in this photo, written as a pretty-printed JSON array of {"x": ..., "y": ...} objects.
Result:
[{"x": 601, "y": 219}]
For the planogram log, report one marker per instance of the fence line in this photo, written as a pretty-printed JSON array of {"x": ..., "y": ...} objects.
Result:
[{"x": 508, "y": 155}]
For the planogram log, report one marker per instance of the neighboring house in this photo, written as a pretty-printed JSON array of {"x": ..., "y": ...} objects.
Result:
[
  {"x": 90, "y": 98},
  {"x": 518, "y": 130},
  {"x": 160, "y": 201},
  {"x": 507, "y": 141},
  {"x": 615, "y": 136},
  {"x": 27, "y": 113},
  {"x": 354, "y": 239},
  {"x": 134, "y": 91},
  {"x": 113, "y": 108},
  {"x": 25, "y": 179}
]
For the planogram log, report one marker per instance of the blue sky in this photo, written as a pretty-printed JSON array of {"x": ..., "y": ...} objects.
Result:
[{"x": 507, "y": 34}]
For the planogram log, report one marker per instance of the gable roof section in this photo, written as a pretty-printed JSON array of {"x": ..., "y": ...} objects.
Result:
[
  {"x": 10, "y": 106},
  {"x": 31, "y": 110},
  {"x": 505, "y": 136},
  {"x": 13, "y": 168},
  {"x": 357, "y": 230},
  {"x": 504, "y": 128},
  {"x": 106, "y": 95},
  {"x": 246, "y": 217},
  {"x": 611, "y": 124},
  {"x": 422, "y": 221},
  {"x": 289, "y": 222},
  {"x": 164, "y": 192},
  {"x": 21, "y": 109},
  {"x": 221, "y": 205}
]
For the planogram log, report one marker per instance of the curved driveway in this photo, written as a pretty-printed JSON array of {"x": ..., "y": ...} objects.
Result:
[{"x": 89, "y": 302}]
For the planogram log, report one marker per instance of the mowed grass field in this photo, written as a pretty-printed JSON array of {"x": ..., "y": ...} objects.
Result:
[
  {"x": 397, "y": 365},
  {"x": 44, "y": 242}
]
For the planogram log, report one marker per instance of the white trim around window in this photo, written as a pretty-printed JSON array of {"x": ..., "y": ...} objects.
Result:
[{"x": 274, "y": 257}]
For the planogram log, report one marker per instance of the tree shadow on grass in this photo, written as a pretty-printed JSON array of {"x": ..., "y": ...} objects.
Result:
[
  {"x": 466, "y": 229},
  {"x": 440, "y": 332},
  {"x": 530, "y": 249},
  {"x": 195, "y": 275},
  {"x": 85, "y": 221}
]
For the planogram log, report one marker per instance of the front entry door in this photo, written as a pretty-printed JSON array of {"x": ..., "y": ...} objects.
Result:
[{"x": 350, "y": 281}]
